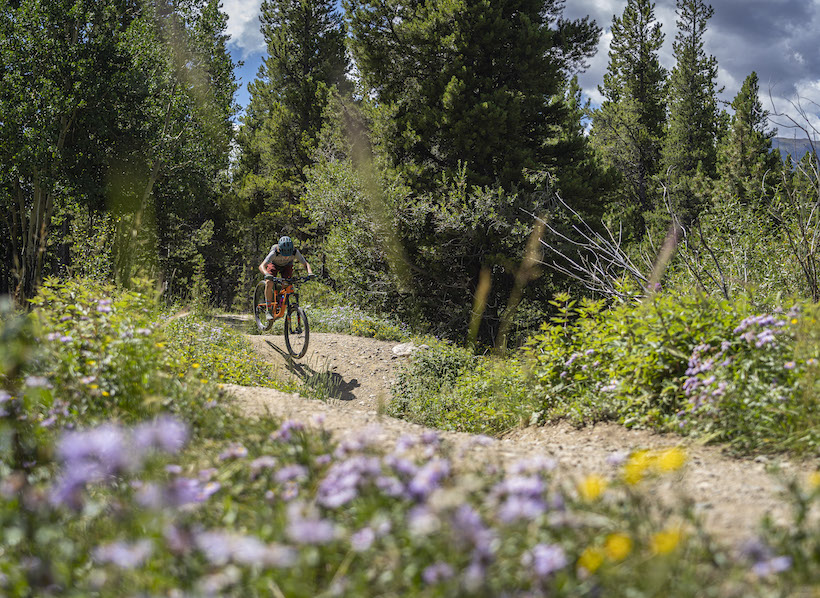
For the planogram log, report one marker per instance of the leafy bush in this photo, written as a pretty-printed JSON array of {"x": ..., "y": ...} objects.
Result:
[
  {"x": 491, "y": 398},
  {"x": 421, "y": 385},
  {"x": 757, "y": 389},
  {"x": 626, "y": 361},
  {"x": 683, "y": 362}
]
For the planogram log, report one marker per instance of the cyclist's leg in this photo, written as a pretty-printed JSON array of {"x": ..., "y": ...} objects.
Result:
[{"x": 269, "y": 284}]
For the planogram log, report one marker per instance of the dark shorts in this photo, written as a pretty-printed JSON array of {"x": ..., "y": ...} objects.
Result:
[{"x": 283, "y": 271}]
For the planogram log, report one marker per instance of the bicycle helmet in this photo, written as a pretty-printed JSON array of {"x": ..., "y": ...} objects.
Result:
[{"x": 286, "y": 246}]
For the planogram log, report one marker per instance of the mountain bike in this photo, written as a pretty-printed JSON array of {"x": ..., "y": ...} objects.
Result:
[{"x": 285, "y": 304}]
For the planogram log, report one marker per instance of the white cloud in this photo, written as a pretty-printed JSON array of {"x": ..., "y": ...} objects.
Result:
[
  {"x": 243, "y": 25},
  {"x": 798, "y": 115}
]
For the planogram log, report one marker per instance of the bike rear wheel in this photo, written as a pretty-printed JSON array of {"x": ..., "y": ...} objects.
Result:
[
  {"x": 259, "y": 308},
  {"x": 297, "y": 332}
]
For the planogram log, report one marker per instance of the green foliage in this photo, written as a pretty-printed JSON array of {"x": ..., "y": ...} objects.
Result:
[
  {"x": 420, "y": 388},
  {"x": 492, "y": 398},
  {"x": 682, "y": 362},
  {"x": 467, "y": 84},
  {"x": 693, "y": 113},
  {"x": 745, "y": 156},
  {"x": 758, "y": 389},
  {"x": 628, "y": 127},
  {"x": 217, "y": 353}
]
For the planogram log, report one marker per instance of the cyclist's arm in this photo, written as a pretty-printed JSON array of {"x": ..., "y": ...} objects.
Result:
[
  {"x": 304, "y": 262},
  {"x": 267, "y": 260}
]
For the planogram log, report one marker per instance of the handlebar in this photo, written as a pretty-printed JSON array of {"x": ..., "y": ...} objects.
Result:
[{"x": 295, "y": 279}]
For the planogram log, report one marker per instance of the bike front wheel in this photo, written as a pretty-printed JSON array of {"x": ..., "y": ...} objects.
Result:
[
  {"x": 297, "y": 332},
  {"x": 259, "y": 308}
]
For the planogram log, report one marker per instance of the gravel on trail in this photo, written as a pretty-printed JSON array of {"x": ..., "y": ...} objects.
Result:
[{"x": 731, "y": 494}]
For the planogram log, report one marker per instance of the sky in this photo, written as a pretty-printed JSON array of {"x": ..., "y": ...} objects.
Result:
[{"x": 775, "y": 38}]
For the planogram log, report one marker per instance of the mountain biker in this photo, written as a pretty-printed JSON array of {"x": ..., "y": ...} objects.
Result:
[{"x": 279, "y": 262}]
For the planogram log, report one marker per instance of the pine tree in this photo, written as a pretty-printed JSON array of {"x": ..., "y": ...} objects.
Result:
[
  {"x": 468, "y": 83},
  {"x": 746, "y": 154},
  {"x": 693, "y": 113},
  {"x": 306, "y": 57},
  {"x": 628, "y": 127}
]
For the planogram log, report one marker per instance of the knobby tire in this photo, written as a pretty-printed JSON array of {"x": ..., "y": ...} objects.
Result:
[
  {"x": 297, "y": 332},
  {"x": 259, "y": 313}
]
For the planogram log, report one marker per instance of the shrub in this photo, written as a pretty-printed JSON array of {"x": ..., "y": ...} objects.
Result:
[
  {"x": 430, "y": 375},
  {"x": 683, "y": 362}
]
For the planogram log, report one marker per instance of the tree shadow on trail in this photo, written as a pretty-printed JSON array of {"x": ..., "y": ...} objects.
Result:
[{"x": 320, "y": 382}]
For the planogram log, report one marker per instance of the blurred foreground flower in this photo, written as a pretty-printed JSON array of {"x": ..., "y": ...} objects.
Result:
[
  {"x": 591, "y": 559},
  {"x": 592, "y": 487},
  {"x": 617, "y": 546},
  {"x": 665, "y": 541}
]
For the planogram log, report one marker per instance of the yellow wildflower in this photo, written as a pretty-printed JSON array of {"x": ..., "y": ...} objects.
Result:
[
  {"x": 591, "y": 487},
  {"x": 194, "y": 365},
  {"x": 794, "y": 320},
  {"x": 91, "y": 362},
  {"x": 105, "y": 393},
  {"x": 93, "y": 386},
  {"x": 636, "y": 467},
  {"x": 814, "y": 480},
  {"x": 671, "y": 459},
  {"x": 665, "y": 541},
  {"x": 617, "y": 546},
  {"x": 591, "y": 559}
]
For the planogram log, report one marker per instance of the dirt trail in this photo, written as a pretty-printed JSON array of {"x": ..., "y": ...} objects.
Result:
[{"x": 731, "y": 494}]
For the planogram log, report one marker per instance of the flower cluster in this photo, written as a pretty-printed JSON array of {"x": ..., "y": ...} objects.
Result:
[{"x": 101, "y": 454}]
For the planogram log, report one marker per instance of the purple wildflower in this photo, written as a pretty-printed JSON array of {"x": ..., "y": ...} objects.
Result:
[
  {"x": 362, "y": 540},
  {"x": 469, "y": 527},
  {"x": 260, "y": 463},
  {"x": 52, "y": 336},
  {"x": 429, "y": 478},
  {"x": 517, "y": 507},
  {"x": 773, "y": 566},
  {"x": 100, "y": 450},
  {"x": 234, "y": 451},
  {"x": 220, "y": 547},
  {"x": 344, "y": 478},
  {"x": 37, "y": 382},
  {"x": 405, "y": 443},
  {"x": 307, "y": 528},
  {"x": 421, "y": 521},
  {"x": 390, "y": 486},
  {"x": 165, "y": 434},
  {"x": 123, "y": 554},
  {"x": 618, "y": 458},
  {"x": 284, "y": 433},
  {"x": 66, "y": 339},
  {"x": 437, "y": 573},
  {"x": 291, "y": 472},
  {"x": 545, "y": 559},
  {"x": 207, "y": 474},
  {"x": 403, "y": 467}
]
